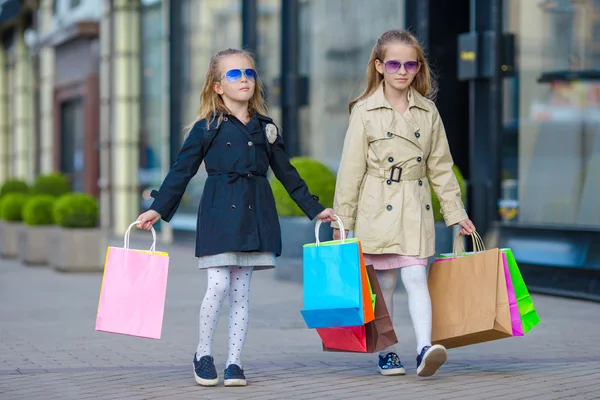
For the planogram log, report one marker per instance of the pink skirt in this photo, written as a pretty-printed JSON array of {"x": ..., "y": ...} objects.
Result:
[{"x": 393, "y": 261}]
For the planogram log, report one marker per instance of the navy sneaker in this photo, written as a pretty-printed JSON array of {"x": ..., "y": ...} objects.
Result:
[
  {"x": 234, "y": 376},
  {"x": 431, "y": 359},
  {"x": 205, "y": 372},
  {"x": 390, "y": 364}
]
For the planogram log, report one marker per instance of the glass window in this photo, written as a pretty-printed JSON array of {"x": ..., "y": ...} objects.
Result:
[
  {"x": 152, "y": 104},
  {"x": 336, "y": 39},
  {"x": 557, "y": 91},
  {"x": 268, "y": 54},
  {"x": 207, "y": 26},
  {"x": 75, "y": 3}
]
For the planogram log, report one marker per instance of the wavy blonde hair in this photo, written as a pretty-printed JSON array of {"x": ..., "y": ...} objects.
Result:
[
  {"x": 211, "y": 103},
  {"x": 424, "y": 81}
]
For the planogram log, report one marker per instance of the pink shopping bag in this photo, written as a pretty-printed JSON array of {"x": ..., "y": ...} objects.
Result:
[
  {"x": 515, "y": 316},
  {"x": 134, "y": 287}
]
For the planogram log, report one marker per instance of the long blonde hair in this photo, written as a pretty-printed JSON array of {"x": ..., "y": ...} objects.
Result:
[
  {"x": 424, "y": 82},
  {"x": 211, "y": 103}
]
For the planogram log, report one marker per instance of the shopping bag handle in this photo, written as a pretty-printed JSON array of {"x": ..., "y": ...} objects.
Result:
[
  {"x": 342, "y": 230},
  {"x": 478, "y": 245},
  {"x": 126, "y": 238}
]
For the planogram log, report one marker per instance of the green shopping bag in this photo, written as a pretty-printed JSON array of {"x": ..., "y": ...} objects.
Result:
[{"x": 529, "y": 316}]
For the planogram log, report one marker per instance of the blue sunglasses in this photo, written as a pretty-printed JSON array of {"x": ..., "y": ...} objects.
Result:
[{"x": 234, "y": 75}]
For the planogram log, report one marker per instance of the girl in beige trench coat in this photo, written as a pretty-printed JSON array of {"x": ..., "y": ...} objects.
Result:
[{"x": 394, "y": 139}]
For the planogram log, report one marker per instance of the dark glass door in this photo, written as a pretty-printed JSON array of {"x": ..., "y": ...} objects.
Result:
[{"x": 71, "y": 142}]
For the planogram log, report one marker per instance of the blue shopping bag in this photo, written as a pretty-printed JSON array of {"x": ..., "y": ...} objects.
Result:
[{"x": 333, "y": 294}]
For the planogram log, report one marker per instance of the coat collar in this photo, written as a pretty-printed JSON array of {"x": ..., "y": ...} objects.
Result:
[{"x": 378, "y": 100}]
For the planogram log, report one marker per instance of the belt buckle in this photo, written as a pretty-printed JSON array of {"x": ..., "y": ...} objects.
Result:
[{"x": 393, "y": 172}]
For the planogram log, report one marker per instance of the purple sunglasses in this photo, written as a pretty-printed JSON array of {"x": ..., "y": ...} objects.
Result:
[{"x": 393, "y": 66}]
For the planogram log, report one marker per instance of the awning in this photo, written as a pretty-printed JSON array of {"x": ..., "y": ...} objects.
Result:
[{"x": 9, "y": 9}]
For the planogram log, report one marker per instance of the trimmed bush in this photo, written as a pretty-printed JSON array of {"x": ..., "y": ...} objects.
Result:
[
  {"x": 76, "y": 210},
  {"x": 11, "y": 207},
  {"x": 14, "y": 186},
  {"x": 55, "y": 184},
  {"x": 435, "y": 202},
  {"x": 39, "y": 210},
  {"x": 319, "y": 178}
]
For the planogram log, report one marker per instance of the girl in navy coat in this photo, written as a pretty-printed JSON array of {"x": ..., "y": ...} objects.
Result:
[{"x": 238, "y": 228}]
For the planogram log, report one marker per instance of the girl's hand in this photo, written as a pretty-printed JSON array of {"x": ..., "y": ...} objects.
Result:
[
  {"x": 336, "y": 234},
  {"x": 147, "y": 219},
  {"x": 327, "y": 215},
  {"x": 467, "y": 227}
]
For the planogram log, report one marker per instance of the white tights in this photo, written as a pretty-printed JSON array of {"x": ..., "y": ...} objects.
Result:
[
  {"x": 232, "y": 282},
  {"x": 414, "y": 279}
]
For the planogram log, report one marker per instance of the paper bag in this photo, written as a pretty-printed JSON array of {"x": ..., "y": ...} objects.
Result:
[
  {"x": 133, "y": 291},
  {"x": 370, "y": 338},
  {"x": 469, "y": 300}
]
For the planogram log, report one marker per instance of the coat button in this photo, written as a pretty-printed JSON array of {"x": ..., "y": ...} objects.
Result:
[
  {"x": 420, "y": 182},
  {"x": 417, "y": 134},
  {"x": 419, "y": 159},
  {"x": 390, "y": 134},
  {"x": 389, "y": 207},
  {"x": 250, "y": 207},
  {"x": 427, "y": 207},
  {"x": 225, "y": 119},
  {"x": 389, "y": 182},
  {"x": 391, "y": 159},
  {"x": 249, "y": 174},
  {"x": 228, "y": 144},
  {"x": 233, "y": 207},
  {"x": 250, "y": 144}
]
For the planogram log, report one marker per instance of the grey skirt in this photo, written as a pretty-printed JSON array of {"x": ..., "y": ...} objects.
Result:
[{"x": 264, "y": 260}]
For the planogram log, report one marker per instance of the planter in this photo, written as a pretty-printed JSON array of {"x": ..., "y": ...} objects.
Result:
[
  {"x": 295, "y": 233},
  {"x": 9, "y": 239},
  {"x": 78, "y": 250},
  {"x": 34, "y": 244}
]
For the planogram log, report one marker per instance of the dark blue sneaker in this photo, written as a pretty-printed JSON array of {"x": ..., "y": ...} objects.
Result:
[
  {"x": 431, "y": 359},
  {"x": 205, "y": 372},
  {"x": 390, "y": 364},
  {"x": 234, "y": 376}
]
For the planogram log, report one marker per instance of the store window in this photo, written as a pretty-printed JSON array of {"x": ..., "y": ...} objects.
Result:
[
  {"x": 207, "y": 26},
  {"x": 555, "y": 180},
  {"x": 336, "y": 39},
  {"x": 152, "y": 99}
]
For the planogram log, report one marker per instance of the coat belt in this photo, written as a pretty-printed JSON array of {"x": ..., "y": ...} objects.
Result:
[
  {"x": 391, "y": 173},
  {"x": 235, "y": 175}
]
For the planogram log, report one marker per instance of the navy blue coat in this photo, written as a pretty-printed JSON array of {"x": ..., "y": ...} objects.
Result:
[{"x": 237, "y": 210}]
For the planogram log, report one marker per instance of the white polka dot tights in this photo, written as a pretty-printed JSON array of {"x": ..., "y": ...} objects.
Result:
[{"x": 232, "y": 282}]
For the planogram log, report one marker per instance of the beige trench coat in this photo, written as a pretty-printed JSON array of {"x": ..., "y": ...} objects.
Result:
[{"x": 386, "y": 215}]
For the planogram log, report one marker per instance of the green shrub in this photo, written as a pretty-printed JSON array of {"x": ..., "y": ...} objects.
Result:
[
  {"x": 435, "y": 202},
  {"x": 76, "y": 210},
  {"x": 55, "y": 184},
  {"x": 320, "y": 181},
  {"x": 11, "y": 207},
  {"x": 39, "y": 210},
  {"x": 14, "y": 186}
]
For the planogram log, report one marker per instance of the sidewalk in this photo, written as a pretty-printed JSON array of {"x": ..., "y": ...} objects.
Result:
[{"x": 49, "y": 349}]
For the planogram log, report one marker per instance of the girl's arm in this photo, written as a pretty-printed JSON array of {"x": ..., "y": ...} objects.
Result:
[
  {"x": 443, "y": 180},
  {"x": 352, "y": 170},
  {"x": 189, "y": 158},
  {"x": 291, "y": 180}
]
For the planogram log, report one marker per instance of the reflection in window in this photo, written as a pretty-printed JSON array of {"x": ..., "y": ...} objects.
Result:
[{"x": 559, "y": 112}]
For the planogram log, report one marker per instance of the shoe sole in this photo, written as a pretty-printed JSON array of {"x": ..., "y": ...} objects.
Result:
[
  {"x": 392, "y": 372},
  {"x": 235, "y": 382},
  {"x": 435, "y": 358},
  {"x": 204, "y": 382}
]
